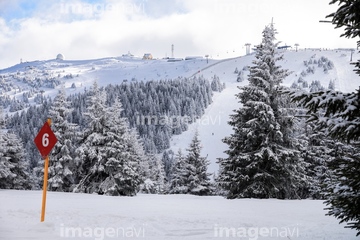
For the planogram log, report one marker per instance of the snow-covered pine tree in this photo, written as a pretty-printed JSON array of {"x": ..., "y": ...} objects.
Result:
[
  {"x": 216, "y": 85},
  {"x": 137, "y": 158},
  {"x": 107, "y": 163},
  {"x": 198, "y": 181},
  {"x": 179, "y": 177},
  {"x": 5, "y": 165},
  {"x": 90, "y": 155},
  {"x": 2, "y": 119},
  {"x": 339, "y": 115},
  {"x": 144, "y": 165},
  {"x": 62, "y": 165},
  {"x": 339, "y": 112},
  {"x": 317, "y": 151},
  {"x": 155, "y": 179},
  {"x": 348, "y": 16},
  {"x": 262, "y": 161},
  {"x": 168, "y": 162},
  {"x": 331, "y": 85},
  {"x": 123, "y": 156},
  {"x": 158, "y": 174},
  {"x": 343, "y": 189},
  {"x": 14, "y": 170}
]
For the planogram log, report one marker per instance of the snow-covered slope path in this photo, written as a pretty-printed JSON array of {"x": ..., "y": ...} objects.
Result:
[
  {"x": 213, "y": 127},
  {"x": 163, "y": 217}
]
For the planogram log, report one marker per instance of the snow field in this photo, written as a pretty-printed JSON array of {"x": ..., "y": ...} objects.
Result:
[{"x": 163, "y": 217}]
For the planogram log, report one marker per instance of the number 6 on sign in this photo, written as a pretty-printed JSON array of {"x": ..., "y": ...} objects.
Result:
[{"x": 45, "y": 140}]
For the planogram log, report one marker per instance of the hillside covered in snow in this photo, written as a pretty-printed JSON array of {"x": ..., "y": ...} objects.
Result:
[
  {"x": 82, "y": 216},
  {"x": 321, "y": 65},
  {"x": 27, "y": 83}
]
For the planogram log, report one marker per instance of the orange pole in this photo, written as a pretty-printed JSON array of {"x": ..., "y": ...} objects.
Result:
[{"x": 46, "y": 166}]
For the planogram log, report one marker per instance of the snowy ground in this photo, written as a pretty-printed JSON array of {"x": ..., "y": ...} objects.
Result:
[{"x": 163, "y": 217}]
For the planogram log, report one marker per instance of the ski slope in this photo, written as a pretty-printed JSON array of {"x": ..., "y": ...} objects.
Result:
[
  {"x": 213, "y": 126},
  {"x": 170, "y": 216},
  {"x": 163, "y": 217}
]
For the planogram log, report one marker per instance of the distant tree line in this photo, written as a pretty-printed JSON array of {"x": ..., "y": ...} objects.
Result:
[{"x": 103, "y": 124}]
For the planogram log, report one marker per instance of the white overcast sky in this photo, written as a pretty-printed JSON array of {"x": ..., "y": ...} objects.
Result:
[{"x": 82, "y": 29}]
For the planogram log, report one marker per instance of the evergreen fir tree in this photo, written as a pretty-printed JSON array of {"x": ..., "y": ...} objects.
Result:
[
  {"x": 331, "y": 85},
  {"x": 14, "y": 170},
  {"x": 216, "y": 85},
  {"x": 168, "y": 162},
  {"x": 262, "y": 161},
  {"x": 106, "y": 154},
  {"x": 2, "y": 119},
  {"x": 198, "y": 181},
  {"x": 155, "y": 180},
  {"x": 348, "y": 16},
  {"x": 317, "y": 151},
  {"x": 61, "y": 166},
  {"x": 179, "y": 177},
  {"x": 90, "y": 153},
  {"x": 338, "y": 114},
  {"x": 123, "y": 156},
  {"x": 343, "y": 188},
  {"x": 158, "y": 174}
]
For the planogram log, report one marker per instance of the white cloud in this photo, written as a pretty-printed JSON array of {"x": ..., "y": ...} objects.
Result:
[{"x": 196, "y": 27}]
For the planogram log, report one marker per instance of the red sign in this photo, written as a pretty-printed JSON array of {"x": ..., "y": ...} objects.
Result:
[{"x": 45, "y": 140}]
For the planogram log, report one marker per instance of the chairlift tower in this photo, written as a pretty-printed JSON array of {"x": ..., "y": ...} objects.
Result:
[
  {"x": 248, "y": 48},
  {"x": 297, "y": 46}
]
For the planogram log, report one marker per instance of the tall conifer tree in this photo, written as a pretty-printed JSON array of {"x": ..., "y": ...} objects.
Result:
[
  {"x": 262, "y": 162},
  {"x": 198, "y": 181},
  {"x": 179, "y": 176},
  {"x": 14, "y": 170},
  {"x": 106, "y": 157},
  {"x": 61, "y": 168},
  {"x": 338, "y": 114}
]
